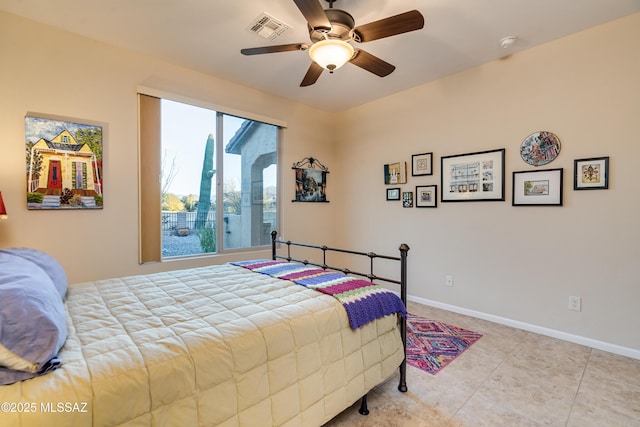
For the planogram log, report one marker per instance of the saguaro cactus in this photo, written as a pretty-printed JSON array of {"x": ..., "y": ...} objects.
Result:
[{"x": 204, "y": 202}]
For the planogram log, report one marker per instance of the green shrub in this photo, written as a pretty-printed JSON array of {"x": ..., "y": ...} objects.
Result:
[{"x": 35, "y": 197}]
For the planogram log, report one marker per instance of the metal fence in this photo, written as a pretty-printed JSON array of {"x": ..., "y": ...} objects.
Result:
[
  {"x": 175, "y": 220},
  {"x": 172, "y": 221}
]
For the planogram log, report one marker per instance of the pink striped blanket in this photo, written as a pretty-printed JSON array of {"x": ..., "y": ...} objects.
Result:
[{"x": 364, "y": 301}]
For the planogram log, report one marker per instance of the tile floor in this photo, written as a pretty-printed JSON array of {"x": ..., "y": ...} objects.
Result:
[{"x": 509, "y": 377}]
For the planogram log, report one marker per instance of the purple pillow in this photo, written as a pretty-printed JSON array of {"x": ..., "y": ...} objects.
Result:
[
  {"x": 33, "y": 321},
  {"x": 45, "y": 261}
]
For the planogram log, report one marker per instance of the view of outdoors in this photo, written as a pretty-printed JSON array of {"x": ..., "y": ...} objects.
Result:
[{"x": 211, "y": 159}]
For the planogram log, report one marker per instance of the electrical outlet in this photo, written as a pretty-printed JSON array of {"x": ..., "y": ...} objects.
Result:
[
  {"x": 575, "y": 303},
  {"x": 448, "y": 280}
]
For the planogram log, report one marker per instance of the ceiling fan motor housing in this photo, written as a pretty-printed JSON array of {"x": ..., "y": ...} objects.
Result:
[{"x": 341, "y": 25}]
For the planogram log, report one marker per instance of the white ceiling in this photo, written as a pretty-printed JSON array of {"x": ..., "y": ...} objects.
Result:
[{"x": 207, "y": 35}]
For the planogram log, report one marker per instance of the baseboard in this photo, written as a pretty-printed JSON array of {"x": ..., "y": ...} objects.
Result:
[{"x": 577, "y": 339}]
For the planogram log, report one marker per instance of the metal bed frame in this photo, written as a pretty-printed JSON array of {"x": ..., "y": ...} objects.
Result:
[{"x": 404, "y": 249}]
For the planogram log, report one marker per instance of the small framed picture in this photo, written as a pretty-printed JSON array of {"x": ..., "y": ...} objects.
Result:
[
  {"x": 393, "y": 194},
  {"x": 537, "y": 188},
  {"x": 422, "y": 164},
  {"x": 426, "y": 196},
  {"x": 407, "y": 199},
  {"x": 395, "y": 173},
  {"x": 591, "y": 174}
]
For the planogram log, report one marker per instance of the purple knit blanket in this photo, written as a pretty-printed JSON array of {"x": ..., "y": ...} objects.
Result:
[{"x": 363, "y": 300}]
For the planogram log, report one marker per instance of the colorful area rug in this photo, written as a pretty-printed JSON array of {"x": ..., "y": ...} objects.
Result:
[{"x": 433, "y": 345}]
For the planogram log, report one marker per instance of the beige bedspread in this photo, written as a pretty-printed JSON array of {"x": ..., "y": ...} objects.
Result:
[{"x": 217, "y": 345}]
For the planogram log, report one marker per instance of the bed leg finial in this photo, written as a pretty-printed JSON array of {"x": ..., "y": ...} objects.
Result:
[
  {"x": 363, "y": 406},
  {"x": 402, "y": 385}
]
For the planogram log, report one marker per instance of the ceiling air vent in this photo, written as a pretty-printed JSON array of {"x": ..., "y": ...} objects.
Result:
[{"x": 268, "y": 27}]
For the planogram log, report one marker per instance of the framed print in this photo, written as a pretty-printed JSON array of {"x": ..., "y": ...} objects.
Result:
[
  {"x": 393, "y": 194},
  {"x": 395, "y": 173},
  {"x": 422, "y": 164},
  {"x": 311, "y": 185},
  {"x": 311, "y": 180},
  {"x": 473, "y": 177},
  {"x": 426, "y": 196},
  {"x": 540, "y": 148},
  {"x": 63, "y": 163},
  {"x": 591, "y": 174},
  {"x": 537, "y": 188},
  {"x": 407, "y": 199}
]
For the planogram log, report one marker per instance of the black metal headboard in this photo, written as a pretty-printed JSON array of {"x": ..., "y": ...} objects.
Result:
[{"x": 402, "y": 259}]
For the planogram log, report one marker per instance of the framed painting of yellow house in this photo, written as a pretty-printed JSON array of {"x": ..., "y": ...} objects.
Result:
[{"x": 63, "y": 163}]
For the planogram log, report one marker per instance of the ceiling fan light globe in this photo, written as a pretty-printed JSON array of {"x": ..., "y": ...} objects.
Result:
[{"x": 331, "y": 54}]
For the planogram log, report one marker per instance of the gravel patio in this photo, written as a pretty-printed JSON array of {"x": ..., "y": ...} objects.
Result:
[{"x": 174, "y": 245}]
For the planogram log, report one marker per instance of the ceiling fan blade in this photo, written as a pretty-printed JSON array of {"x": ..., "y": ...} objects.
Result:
[
  {"x": 391, "y": 26},
  {"x": 274, "y": 49},
  {"x": 372, "y": 63},
  {"x": 314, "y": 14},
  {"x": 312, "y": 75}
]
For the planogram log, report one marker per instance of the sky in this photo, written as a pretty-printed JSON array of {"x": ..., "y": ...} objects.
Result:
[
  {"x": 185, "y": 130},
  {"x": 37, "y": 127}
]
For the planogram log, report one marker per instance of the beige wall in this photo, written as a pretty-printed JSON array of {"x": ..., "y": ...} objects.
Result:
[
  {"x": 101, "y": 86},
  {"x": 518, "y": 263}
]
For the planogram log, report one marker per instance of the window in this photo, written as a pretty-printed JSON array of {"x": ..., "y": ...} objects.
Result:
[{"x": 218, "y": 180}]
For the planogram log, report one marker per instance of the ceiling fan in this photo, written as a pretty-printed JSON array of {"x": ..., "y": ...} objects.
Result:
[{"x": 332, "y": 31}]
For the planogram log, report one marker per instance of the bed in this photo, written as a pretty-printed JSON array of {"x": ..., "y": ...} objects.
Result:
[{"x": 219, "y": 345}]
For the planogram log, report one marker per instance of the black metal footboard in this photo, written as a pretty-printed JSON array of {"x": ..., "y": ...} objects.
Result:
[{"x": 402, "y": 259}]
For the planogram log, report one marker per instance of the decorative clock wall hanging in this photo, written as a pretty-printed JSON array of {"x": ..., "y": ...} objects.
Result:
[{"x": 540, "y": 148}]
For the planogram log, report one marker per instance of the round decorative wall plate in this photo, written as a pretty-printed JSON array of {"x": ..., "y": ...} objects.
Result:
[{"x": 540, "y": 148}]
